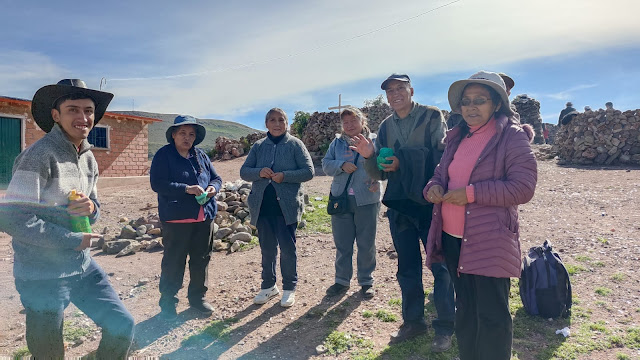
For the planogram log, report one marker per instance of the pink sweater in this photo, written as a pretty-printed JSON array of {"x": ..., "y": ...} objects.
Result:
[{"x": 459, "y": 173}]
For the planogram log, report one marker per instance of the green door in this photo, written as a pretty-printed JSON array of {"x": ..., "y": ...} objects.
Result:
[{"x": 9, "y": 147}]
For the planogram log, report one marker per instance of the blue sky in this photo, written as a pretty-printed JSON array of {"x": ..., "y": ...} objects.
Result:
[{"x": 235, "y": 60}]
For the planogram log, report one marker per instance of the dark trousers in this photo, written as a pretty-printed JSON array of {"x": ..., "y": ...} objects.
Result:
[
  {"x": 180, "y": 240},
  {"x": 409, "y": 237},
  {"x": 443, "y": 299},
  {"x": 483, "y": 321},
  {"x": 91, "y": 292},
  {"x": 273, "y": 231}
]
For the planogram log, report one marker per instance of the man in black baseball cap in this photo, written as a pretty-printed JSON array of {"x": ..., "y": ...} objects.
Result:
[{"x": 415, "y": 132}]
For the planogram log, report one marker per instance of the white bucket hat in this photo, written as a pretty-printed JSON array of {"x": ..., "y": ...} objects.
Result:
[{"x": 490, "y": 79}]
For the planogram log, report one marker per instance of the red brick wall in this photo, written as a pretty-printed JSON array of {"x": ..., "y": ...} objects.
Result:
[
  {"x": 128, "y": 153},
  {"x": 128, "y": 140}
]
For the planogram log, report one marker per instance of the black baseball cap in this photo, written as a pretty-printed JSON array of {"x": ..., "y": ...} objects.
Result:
[{"x": 399, "y": 77}]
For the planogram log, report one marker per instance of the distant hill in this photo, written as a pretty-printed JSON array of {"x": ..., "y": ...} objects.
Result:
[{"x": 214, "y": 128}]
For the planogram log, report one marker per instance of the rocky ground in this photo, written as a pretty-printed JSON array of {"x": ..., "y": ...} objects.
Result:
[{"x": 591, "y": 215}]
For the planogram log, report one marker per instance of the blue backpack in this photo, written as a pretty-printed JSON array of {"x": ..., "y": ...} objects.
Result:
[{"x": 545, "y": 288}]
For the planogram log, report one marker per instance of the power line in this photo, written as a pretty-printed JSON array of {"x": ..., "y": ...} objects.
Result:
[{"x": 292, "y": 55}]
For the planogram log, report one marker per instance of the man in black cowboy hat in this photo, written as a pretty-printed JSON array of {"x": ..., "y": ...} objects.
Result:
[{"x": 52, "y": 264}]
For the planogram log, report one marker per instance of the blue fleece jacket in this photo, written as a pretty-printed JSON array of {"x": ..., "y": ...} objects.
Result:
[{"x": 170, "y": 175}]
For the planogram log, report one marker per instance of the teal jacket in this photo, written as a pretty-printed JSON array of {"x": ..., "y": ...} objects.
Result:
[
  {"x": 290, "y": 157},
  {"x": 34, "y": 213}
]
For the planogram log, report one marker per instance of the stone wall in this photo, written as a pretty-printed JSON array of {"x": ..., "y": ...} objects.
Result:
[
  {"x": 227, "y": 148},
  {"x": 600, "y": 137},
  {"x": 529, "y": 110},
  {"x": 323, "y": 126}
]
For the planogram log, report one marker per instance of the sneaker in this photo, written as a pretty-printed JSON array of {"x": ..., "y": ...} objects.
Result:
[
  {"x": 168, "y": 313},
  {"x": 203, "y": 307},
  {"x": 367, "y": 291},
  {"x": 408, "y": 331},
  {"x": 265, "y": 295},
  {"x": 441, "y": 343},
  {"x": 337, "y": 289},
  {"x": 288, "y": 298}
]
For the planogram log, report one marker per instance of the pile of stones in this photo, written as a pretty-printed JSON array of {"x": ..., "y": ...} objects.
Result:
[
  {"x": 231, "y": 229},
  {"x": 529, "y": 110},
  {"x": 227, "y": 148},
  {"x": 600, "y": 137},
  {"x": 323, "y": 126}
]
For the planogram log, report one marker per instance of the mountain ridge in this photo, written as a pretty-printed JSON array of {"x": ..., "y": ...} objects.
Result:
[{"x": 215, "y": 128}]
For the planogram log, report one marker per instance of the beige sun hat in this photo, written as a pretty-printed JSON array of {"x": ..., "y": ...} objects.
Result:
[{"x": 490, "y": 79}]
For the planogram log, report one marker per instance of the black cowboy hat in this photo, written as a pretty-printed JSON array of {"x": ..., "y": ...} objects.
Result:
[{"x": 46, "y": 97}]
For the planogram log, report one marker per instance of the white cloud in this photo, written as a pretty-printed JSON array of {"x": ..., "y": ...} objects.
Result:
[
  {"x": 22, "y": 73},
  {"x": 296, "y": 48},
  {"x": 464, "y": 35},
  {"x": 569, "y": 93}
]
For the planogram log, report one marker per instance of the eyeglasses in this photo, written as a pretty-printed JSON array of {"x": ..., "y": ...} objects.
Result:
[{"x": 477, "y": 101}]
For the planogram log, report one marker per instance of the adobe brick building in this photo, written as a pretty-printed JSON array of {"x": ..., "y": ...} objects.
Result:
[{"x": 120, "y": 141}]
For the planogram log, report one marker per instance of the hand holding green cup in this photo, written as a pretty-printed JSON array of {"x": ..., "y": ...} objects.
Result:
[{"x": 381, "y": 159}]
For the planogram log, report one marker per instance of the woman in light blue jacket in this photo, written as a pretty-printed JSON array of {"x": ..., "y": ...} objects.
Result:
[{"x": 359, "y": 222}]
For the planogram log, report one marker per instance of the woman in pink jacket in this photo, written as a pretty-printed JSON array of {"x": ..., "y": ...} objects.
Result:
[{"x": 486, "y": 171}]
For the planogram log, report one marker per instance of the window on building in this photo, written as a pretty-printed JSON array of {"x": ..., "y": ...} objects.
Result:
[{"x": 99, "y": 137}]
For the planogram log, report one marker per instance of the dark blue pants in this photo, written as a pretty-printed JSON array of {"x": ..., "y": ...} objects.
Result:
[
  {"x": 182, "y": 240},
  {"x": 483, "y": 321},
  {"x": 409, "y": 237},
  {"x": 91, "y": 292},
  {"x": 273, "y": 231}
]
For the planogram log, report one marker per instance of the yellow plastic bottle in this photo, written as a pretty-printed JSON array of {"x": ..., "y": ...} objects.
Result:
[{"x": 79, "y": 223}]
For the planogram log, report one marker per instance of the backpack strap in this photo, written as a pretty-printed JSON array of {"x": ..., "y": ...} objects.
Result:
[{"x": 569, "y": 300}]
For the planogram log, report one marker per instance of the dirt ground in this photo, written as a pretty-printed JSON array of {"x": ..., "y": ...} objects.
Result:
[{"x": 589, "y": 213}]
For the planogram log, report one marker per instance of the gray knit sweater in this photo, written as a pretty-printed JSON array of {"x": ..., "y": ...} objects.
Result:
[
  {"x": 290, "y": 157},
  {"x": 34, "y": 208}
]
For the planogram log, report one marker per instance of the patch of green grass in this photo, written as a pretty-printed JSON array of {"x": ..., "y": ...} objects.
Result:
[
  {"x": 583, "y": 340},
  {"x": 583, "y": 258},
  {"x": 217, "y": 329},
  {"x": 598, "y": 326},
  {"x": 574, "y": 269},
  {"x": 72, "y": 333},
  {"x": 21, "y": 353},
  {"x": 621, "y": 356},
  {"x": 338, "y": 342},
  {"x": 603, "y": 291},
  {"x": 418, "y": 348},
  {"x": 599, "y": 263},
  {"x": 575, "y": 300},
  {"x": 250, "y": 245},
  {"x": 318, "y": 221},
  {"x": 580, "y": 312},
  {"x": 618, "y": 277},
  {"x": 603, "y": 240},
  {"x": 395, "y": 302},
  {"x": 615, "y": 341},
  {"x": 632, "y": 340},
  {"x": 386, "y": 316},
  {"x": 367, "y": 314},
  {"x": 603, "y": 304}
]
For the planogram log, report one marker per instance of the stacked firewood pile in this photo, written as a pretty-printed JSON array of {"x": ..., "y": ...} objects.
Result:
[
  {"x": 227, "y": 148},
  {"x": 600, "y": 137},
  {"x": 323, "y": 126},
  {"x": 375, "y": 114},
  {"x": 529, "y": 110}
]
